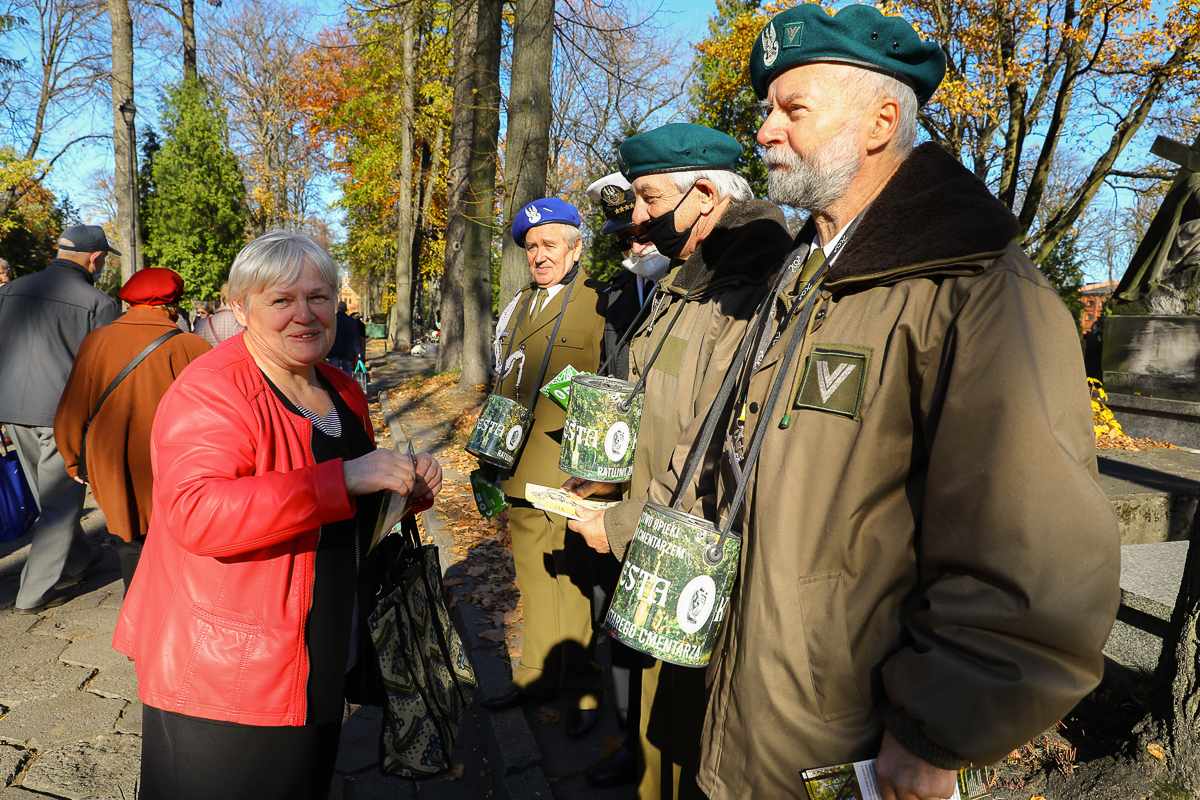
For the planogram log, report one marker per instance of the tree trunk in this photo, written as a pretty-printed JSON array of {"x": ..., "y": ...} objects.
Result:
[
  {"x": 401, "y": 317},
  {"x": 188, "y": 17},
  {"x": 124, "y": 145},
  {"x": 462, "y": 125},
  {"x": 480, "y": 200},
  {"x": 527, "y": 138},
  {"x": 1177, "y": 718}
]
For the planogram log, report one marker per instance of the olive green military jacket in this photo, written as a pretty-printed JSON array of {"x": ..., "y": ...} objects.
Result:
[
  {"x": 927, "y": 549},
  {"x": 577, "y": 343},
  {"x": 718, "y": 287}
]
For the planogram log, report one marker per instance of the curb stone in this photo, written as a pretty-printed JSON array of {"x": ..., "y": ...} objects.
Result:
[{"x": 511, "y": 747}]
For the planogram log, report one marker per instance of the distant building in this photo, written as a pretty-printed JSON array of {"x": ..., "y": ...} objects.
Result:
[
  {"x": 1094, "y": 295},
  {"x": 350, "y": 297}
]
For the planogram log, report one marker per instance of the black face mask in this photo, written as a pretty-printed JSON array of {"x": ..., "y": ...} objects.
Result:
[{"x": 661, "y": 230}]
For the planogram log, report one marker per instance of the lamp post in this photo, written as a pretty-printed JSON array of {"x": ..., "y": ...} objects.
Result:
[{"x": 129, "y": 111}]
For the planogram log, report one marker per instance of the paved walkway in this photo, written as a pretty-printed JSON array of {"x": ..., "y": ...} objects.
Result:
[{"x": 70, "y": 720}]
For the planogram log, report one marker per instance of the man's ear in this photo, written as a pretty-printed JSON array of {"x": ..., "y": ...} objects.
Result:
[
  {"x": 706, "y": 190},
  {"x": 883, "y": 127}
]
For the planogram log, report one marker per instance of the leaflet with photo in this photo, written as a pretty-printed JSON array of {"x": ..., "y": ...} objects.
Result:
[
  {"x": 857, "y": 781},
  {"x": 558, "y": 501}
]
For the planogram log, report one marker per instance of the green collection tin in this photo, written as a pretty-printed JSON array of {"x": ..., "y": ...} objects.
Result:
[
  {"x": 488, "y": 498},
  {"x": 500, "y": 431},
  {"x": 601, "y": 430},
  {"x": 669, "y": 601}
]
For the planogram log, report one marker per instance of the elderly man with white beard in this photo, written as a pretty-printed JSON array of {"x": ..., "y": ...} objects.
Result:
[{"x": 929, "y": 568}]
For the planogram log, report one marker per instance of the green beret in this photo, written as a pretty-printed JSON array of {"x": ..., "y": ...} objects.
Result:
[
  {"x": 857, "y": 35},
  {"x": 678, "y": 147}
]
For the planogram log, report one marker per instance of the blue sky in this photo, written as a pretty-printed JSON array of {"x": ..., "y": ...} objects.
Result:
[{"x": 680, "y": 19}]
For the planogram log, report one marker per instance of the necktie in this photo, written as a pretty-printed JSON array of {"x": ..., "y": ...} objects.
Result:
[
  {"x": 815, "y": 259},
  {"x": 536, "y": 305}
]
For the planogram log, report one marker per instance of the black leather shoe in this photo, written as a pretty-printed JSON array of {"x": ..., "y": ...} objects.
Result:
[
  {"x": 617, "y": 770},
  {"x": 580, "y": 722},
  {"x": 505, "y": 700}
]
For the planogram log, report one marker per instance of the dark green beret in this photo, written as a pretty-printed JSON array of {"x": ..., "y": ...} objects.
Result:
[
  {"x": 857, "y": 35},
  {"x": 678, "y": 147}
]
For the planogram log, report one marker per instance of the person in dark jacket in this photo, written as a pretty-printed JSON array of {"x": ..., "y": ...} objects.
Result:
[
  {"x": 118, "y": 437},
  {"x": 44, "y": 318}
]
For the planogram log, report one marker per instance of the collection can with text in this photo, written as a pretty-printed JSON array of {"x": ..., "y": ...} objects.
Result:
[
  {"x": 500, "y": 431},
  {"x": 601, "y": 430},
  {"x": 670, "y": 600}
]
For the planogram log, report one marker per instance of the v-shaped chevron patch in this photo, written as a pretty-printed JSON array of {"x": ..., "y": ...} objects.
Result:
[{"x": 834, "y": 379}]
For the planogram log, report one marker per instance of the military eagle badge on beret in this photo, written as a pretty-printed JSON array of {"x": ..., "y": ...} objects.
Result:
[
  {"x": 770, "y": 45},
  {"x": 610, "y": 195}
]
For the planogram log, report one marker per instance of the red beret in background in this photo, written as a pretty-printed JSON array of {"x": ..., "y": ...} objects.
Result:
[{"x": 153, "y": 286}]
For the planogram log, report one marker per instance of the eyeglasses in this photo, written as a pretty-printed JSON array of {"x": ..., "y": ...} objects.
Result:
[{"x": 625, "y": 239}]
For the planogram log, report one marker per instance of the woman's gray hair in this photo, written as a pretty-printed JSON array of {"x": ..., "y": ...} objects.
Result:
[
  {"x": 278, "y": 257},
  {"x": 728, "y": 184}
]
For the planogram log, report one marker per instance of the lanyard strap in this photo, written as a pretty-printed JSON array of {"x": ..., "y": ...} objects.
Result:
[
  {"x": 629, "y": 332},
  {"x": 714, "y": 554},
  {"x": 626, "y": 402},
  {"x": 549, "y": 346},
  {"x": 716, "y": 411}
]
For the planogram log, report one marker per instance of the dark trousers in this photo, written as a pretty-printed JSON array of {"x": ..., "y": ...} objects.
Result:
[{"x": 188, "y": 758}]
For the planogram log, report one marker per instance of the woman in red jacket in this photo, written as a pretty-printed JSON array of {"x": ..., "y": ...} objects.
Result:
[{"x": 245, "y": 618}]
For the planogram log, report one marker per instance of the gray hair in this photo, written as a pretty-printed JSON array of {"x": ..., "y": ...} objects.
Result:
[
  {"x": 728, "y": 184},
  {"x": 278, "y": 257},
  {"x": 570, "y": 234},
  {"x": 871, "y": 86}
]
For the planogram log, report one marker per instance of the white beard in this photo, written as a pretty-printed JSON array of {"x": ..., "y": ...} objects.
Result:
[
  {"x": 651, "y": 264},
  {"x": 817, "y": 182}
]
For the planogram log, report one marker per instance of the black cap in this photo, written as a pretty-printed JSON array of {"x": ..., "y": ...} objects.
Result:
[
  {"x": 85, "y": 239},
  {"x": 616, "y": 199}
]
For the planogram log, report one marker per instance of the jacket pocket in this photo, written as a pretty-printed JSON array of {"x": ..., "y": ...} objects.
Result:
[
  {"x": 569, "y": 337},
  {"x": 223, "y": 618},
  {"x": 827, "y": 639}
]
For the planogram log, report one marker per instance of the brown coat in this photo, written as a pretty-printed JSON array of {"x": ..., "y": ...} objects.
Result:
[
  {"x": 927, "y": 549},
  {"x": 578, "y": 343},
  {"x": 118, "y": 440},
  {"x": 728, "y": 276}
]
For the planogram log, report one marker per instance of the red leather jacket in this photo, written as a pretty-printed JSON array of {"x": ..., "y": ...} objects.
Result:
[{"x": 215, "y": 616}]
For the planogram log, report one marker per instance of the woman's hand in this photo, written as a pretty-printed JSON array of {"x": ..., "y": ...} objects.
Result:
[
  {"x": 428, "y": 480},
  {"x": 382, "y": 469}
]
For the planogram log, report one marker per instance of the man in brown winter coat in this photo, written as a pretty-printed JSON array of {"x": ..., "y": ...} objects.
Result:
[
  {"x": 725, "y": 246},
  {"x": 930, "y": 568},
  {"x": 118, "y": 437}
]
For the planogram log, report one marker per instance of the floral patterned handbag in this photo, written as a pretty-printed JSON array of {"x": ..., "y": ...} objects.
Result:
[{"x": 426, "y": 672}]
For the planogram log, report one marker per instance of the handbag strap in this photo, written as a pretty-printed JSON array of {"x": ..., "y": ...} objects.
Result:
[
  {"x": 409, "y": 526},
  {"x": 138, "y": 359}
]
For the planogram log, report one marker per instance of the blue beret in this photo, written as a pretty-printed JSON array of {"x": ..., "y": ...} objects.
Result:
[
  {"x": 542, "y": 212},
  {"x": 678, "y": 147},
  {"x": 857, "y": 35}
]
